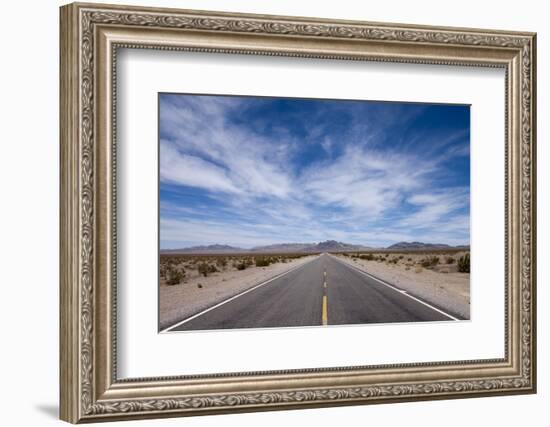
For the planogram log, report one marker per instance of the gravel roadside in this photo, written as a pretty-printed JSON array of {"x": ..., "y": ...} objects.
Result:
[{"x": 184, "y": 300}]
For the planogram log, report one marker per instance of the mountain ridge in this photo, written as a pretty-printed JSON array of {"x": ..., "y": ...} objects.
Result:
[
  {"x": 324, "y": 246},
  {"x": 422, "y": 245}
]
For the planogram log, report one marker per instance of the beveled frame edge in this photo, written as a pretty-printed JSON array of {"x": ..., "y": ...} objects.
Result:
[{"x": 89, "y": 390}]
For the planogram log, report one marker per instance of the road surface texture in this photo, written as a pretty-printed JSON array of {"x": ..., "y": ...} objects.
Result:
[{"x": 324, "y": 291}]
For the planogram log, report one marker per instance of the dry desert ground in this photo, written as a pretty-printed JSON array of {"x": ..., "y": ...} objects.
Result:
[
  {"x": 192, "y": 283},
  {"x": 210, "y": 279}
]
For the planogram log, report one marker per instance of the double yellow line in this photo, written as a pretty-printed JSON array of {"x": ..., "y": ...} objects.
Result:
[{"x": 324, "y": 310}]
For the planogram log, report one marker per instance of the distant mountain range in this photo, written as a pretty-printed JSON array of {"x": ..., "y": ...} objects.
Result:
[
  {"x": 419, "y": 245},
  {"x": 204, "y": 249},
  {"x": 326, "y": 246}
]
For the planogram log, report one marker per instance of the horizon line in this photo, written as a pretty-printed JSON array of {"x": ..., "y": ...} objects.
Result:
[{"x": 309, "y": 243}]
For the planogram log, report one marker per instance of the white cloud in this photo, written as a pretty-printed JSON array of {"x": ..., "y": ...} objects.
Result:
[
  {"x": 250, "y": 163},
  {"x": 366, "y": 181},
  {"x": 435, "y": 206},
  {"x": 357, "y": 197},
  {"x": 193, "y": 171}
]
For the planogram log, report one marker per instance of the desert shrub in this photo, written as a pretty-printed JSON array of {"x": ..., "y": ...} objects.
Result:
[
  {"x": 401, "y": 256},
  {"x": 368, "y": 257},
  {"x": 394, "y": 260},
  {"x": 212, "y": 268},
  {"x": 418, "y": 269},
  {"x": 429, "y": 261},
  {"x": 262, "y": 262},
  {"x": 199, "y": 285},
  {"x": 409, "y": 259},
  {"x": 204, "y": 269},
  {"x": 464, "y": 263},
  {"x": 221, "y": 262},
  {"x": 175, "y": 277},
  {"x": 450, "y": 260},
  {"x": 240, "y": 265}
]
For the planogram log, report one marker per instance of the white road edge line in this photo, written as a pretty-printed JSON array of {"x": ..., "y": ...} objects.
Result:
[
  {"x": 398, "y": 290},
  {"x": 169, "y": 328}
]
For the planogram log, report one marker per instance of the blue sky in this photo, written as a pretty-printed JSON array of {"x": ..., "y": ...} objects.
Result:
[{"x": 249, "y": 171}]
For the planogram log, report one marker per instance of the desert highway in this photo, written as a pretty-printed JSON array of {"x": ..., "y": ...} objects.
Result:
[{"x": 324, "y": 291}]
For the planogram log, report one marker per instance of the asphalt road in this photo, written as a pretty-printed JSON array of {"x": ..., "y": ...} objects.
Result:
[{"x": 324, "y": 291}]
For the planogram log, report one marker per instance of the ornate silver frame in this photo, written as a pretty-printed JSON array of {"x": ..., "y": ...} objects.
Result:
[{"x": 90, "y": 36}]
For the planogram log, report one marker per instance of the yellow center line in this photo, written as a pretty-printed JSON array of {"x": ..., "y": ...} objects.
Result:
[
  {"x": 324, "y": 314},
  {"x": 325, "y": 311}
]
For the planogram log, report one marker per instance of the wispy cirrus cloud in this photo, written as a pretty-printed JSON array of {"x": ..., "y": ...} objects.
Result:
[{"x": 250, "y": 171}]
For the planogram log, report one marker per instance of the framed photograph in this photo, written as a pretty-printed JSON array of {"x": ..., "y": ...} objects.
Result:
[
  {"x": 266, "y": 212},
  {"x": 256, "y": 190}
]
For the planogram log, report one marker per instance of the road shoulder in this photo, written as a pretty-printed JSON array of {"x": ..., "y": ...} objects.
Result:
[
  {"x": 449, "y": 291},
  {"x": 182, "y": 301}
]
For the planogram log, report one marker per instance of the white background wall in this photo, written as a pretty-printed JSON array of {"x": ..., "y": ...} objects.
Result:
[{"x": 29, "y": 170}]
